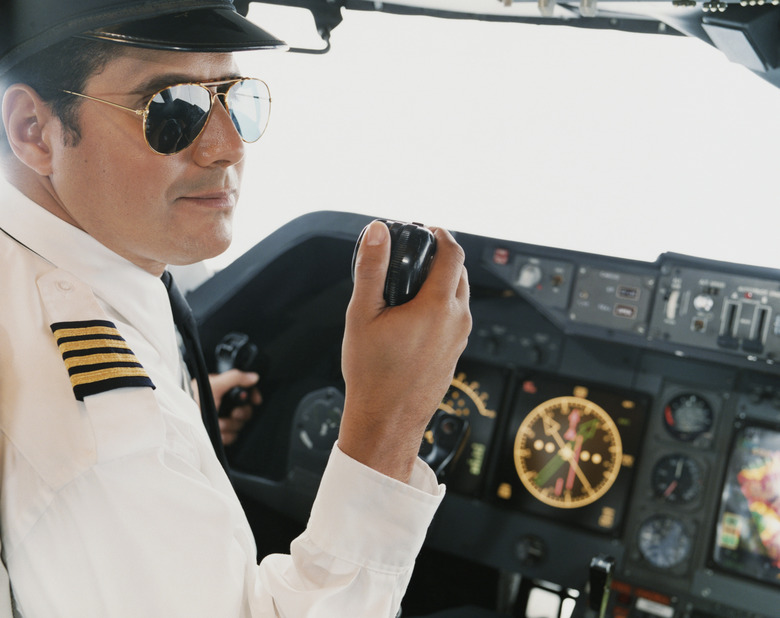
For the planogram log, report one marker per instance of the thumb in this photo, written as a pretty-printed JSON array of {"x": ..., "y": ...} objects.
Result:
[
  {"x": 221, "y": 383},
  {"x": 371, "y": 265}
]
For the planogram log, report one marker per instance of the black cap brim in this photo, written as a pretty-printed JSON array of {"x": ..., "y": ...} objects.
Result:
[
  {"x": 30, "y": 26},
  {"x": 199, "y": 30}
]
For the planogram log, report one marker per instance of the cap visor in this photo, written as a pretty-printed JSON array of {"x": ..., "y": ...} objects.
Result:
[{"x": 200, "y": 30}]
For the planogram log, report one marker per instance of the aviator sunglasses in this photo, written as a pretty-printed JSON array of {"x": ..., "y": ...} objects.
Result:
[{"x": 175, "y": 116}]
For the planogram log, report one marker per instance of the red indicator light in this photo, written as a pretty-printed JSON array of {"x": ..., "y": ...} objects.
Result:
[{"x": 501, "y": 256}]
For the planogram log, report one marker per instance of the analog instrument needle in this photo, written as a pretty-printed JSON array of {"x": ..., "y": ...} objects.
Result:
[{"x": 566, "y": 454}]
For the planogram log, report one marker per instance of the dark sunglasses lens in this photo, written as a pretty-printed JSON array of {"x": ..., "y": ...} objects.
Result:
[
  {"x": 176, "y": 117},
  {"x": 249, "y": 102}
]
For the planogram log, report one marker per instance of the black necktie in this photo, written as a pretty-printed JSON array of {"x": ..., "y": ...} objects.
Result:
[{"x": 196, "y": 363}]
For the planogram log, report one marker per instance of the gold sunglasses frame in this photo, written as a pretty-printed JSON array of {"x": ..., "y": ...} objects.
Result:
[{"x": 144, "y": 111}]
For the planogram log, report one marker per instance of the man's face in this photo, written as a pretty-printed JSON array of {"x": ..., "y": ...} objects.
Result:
[{"x": 151, "y": 209}]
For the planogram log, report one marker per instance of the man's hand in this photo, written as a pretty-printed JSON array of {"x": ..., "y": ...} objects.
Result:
[
  {"x": 398, "y": 362},
  {"x": 221, "y": 383}
]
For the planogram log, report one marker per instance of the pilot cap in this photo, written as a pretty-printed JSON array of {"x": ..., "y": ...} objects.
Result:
[{"x": 30, "y": 26}]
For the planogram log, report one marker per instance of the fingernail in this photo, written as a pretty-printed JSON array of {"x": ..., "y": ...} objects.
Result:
[{"x": 373, "y": 236}]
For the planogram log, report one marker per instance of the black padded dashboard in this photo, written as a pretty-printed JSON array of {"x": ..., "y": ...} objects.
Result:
[{"x": 615, "y": 407}]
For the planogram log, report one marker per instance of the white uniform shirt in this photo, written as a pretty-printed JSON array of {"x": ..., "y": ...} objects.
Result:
[{"x": 117, "y": 506}]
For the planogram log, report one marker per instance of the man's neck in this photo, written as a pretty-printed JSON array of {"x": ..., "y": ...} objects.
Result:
[{"x": 37, "y": 188}]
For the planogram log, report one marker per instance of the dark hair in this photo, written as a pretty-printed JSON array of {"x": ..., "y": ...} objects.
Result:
[{"x": 64, "y": 66}]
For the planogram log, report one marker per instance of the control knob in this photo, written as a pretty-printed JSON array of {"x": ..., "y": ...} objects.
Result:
[{"x": 530, "y": 275}]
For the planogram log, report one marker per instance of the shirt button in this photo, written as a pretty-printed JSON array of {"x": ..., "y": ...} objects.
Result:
[{"x": 65, "y": 286}]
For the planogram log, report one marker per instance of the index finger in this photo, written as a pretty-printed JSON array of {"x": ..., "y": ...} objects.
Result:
[{"x": 447, "y": 270}]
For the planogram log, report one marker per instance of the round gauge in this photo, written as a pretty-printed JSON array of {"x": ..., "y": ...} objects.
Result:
[
  {"x": 319, "y": 418},
  {"x": 663, "y": 541},
  {"x": 677, "y": 479},
  {"x": 469, "y": 399},
  {"x": 464, "y": 399},
  {"x": 568, "y": 452},
  {"x": 688, "y": 416}
]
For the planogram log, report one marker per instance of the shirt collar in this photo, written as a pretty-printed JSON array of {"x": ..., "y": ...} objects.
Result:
[{"x": 137, "y": 296}]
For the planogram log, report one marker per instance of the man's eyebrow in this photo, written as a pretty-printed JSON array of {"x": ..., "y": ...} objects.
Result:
[{"x": 158, "y": 82}]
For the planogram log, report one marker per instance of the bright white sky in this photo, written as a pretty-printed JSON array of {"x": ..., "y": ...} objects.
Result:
[{"x": 612, "y": 143}]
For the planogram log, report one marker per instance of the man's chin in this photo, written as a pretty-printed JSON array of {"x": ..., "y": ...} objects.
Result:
[{"x": 199, "y": 250}]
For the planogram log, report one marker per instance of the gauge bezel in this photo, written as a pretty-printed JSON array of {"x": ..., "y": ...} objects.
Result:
[
  {"x": 680, "y": 498},
  {"x": 688, "y": 436},
  {"x": 563, "y": 497},
  {"x": 682, "y": 560}
]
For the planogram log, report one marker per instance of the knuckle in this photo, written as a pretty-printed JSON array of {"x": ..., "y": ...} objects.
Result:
[{"x": 458, "y": 252}]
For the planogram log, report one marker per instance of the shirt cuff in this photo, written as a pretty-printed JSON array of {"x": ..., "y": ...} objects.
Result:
[{"x": 369, "y": 519}]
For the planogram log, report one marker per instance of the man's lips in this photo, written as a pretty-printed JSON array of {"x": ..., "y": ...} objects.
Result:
[{"x": 214, "y": 199}]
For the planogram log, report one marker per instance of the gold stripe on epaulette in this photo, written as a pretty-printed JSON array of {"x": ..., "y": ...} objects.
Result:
[
  {"x": 92, "y": 377},
  {"x": 97, "y": 357},
  {"x": 81, "y": 332},
  {"x": 92, "y": 344}
]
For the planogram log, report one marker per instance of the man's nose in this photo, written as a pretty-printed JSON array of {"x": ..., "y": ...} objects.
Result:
[{"x": 220, "y": 142}]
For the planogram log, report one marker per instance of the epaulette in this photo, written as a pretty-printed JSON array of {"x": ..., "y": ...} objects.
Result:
[{"x": 97, "y": 357}]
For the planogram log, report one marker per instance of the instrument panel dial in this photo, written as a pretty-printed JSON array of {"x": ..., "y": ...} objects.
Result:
[
  {"x": 568, "y": 452},
  {"x": 677, "y": 479},
  {"x": 664, "y": 542},
  {"x": 688, "y": 416},
  {"x": 472, "y": 396}
]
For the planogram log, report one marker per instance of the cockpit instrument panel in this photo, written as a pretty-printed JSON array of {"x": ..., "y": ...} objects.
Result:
[
  {"x": 607, "y": 407},
  {"x": 718, "y": 310}
]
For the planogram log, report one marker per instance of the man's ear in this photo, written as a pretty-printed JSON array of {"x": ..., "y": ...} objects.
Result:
[{"x": 29, "y": 127}]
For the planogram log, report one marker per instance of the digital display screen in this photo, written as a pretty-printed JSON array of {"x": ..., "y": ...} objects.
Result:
[
  {"x": 570, "y": 451},
  {"x": 474, "y": 395},
  {"x": 748, "y": 530}
]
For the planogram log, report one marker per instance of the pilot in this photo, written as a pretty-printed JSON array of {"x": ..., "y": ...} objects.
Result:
[{"x": 113, "y": 501}]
